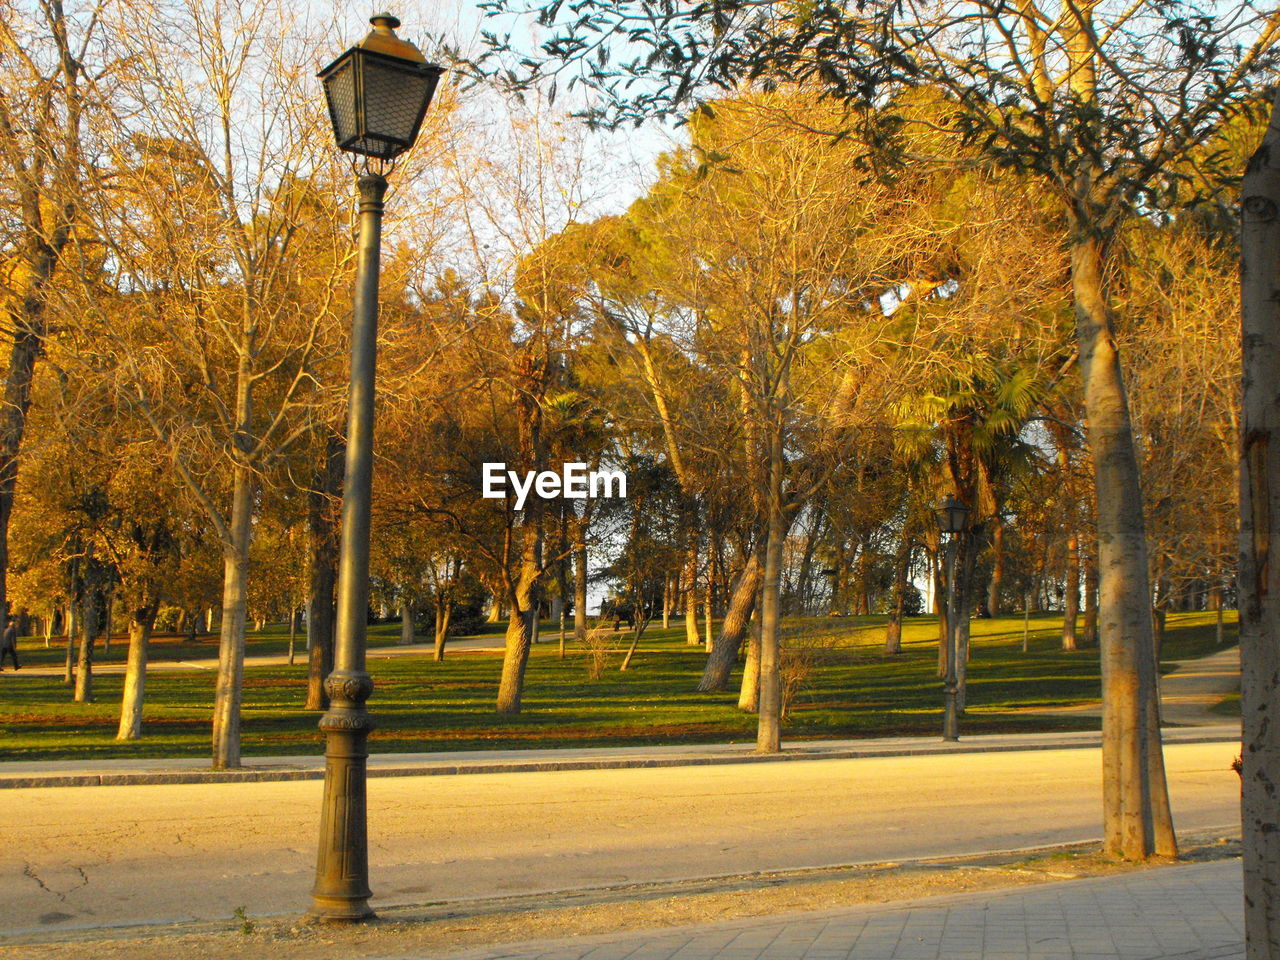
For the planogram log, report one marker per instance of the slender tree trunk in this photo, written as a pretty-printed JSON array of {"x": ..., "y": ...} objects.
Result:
[
  {"x": 901, "y": 565},
  {"x": 707, "y": 642},
  {"x": 108, "y": 607},
  {"x": 135, "y": 678},
  {"x": 406, "y": 623},
  {"x": 1071, "y": 595},
  {"x": 235, "y": 577},
  {"x": 637, "y": 630},
  {"x": 1217, "y": 610},
  {"x": 69, "y": 674},
  {"x": 88, "y": 633},
  {"x": 444, "y": 613},
  {"x": 724, "y": 654},
  {"x": 769, "y": 730},
  {"x": 1091, "y": 602},
  {"x": 1135, "y": 794},
  {"x": 522, "y": 625},
  {"x": 580, "y": 588},
  {"x": 749, "y": 695},
  {"x": 322, "y": 519},
  {"x": 666, "y": 601},
  {"x": 691, "y": 592},
  {"x": 997, "y": 568},
  {"x": 1259, "y": 577}
]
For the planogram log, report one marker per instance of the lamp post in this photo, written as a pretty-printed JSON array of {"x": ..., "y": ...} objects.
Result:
[
  {"x": 378, "y": 92},
  {"x": 951, "y": 519}
]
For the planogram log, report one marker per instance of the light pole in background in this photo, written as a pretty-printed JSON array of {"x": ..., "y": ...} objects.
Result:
[
  {"x": 951, "y": 519},
  {"x": 378, "y": 92}
]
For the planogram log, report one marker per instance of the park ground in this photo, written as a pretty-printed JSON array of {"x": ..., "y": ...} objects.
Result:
[
  {"x": 702, "y": 861},
  {"x": 470, "y": 862},
  {"x": 852, "y": 690}
]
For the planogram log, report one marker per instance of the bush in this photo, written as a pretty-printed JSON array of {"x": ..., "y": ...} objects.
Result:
[
  {"x": 599, "y": 642},
  {"x": 801, "y": 648}
]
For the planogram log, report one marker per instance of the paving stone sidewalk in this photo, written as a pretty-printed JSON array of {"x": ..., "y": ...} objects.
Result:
[{"x": 1191, "y": 912}]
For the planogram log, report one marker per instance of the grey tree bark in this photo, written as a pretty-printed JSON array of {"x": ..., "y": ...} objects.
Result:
[
  {"x": 135, "y": 677},
  {"x": 235, "y": 579},
  {"x": 322, "y": 521},
  {"x": 1259, "y": 577},
  {"x": 769, "y": 729},
  {"x": 724, "y": 654},
  {"x": 1136, "y": 816}
]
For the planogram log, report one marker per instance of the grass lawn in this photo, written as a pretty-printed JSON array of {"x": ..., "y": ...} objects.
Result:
[{"x": 852, "y": 691}]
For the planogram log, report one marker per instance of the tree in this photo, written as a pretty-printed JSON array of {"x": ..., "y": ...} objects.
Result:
[
  {"x": 47, "y": 85},
  {"x": 219, "y": 355},
  {"x": 1099, "y": 104},
  {"x": 1259, "y": 582}
]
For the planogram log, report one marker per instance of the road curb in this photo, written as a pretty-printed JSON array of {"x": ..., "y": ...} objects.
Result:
[{"x": 438, "y": 768}]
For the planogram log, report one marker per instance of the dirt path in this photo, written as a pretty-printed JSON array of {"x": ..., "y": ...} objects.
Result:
[{"x": 1187, "y": 693}]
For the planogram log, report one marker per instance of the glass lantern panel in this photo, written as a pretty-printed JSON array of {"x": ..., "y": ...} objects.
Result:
[
  {"x": 394, "y": 101},
  {"x": 340, "y": 91}
]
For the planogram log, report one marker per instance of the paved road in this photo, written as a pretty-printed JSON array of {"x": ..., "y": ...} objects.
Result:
[
  {"x": 71, "y": 856},
  {"x": 1180, "y": 913}
]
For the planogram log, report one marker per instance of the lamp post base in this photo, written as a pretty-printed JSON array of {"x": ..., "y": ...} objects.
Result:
[{"x": 341, "y": 892}]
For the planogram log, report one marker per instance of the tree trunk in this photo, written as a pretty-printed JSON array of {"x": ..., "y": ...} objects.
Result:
[
  {"x": 997, "y": 568},
  {"x": 707, "y": 642},
  {"x": 1135, "y": 794},
  {"x": 1217, "y": 611},
  {"x": 108, "y": 607},
  {"x": 444, "y": 613},
  {"x": 1259, "y": 578},
  {"x": 322, "y": 519},
  {"x": 235, "y": 576},
  {"x": 691, "y": 636},
  {"x": 1071, "y": 595},
  {"x": 135, "y": 677},
  {"x": 88, "y": 633},
  {"x": 406, "y": 623},
  {"x": 522, "y": 625},
  {"x": 1091, "y": 602},
  {"x": 901, "y": 565},
  {"x": 969, "y": 542},
  {"x": 724, "y": 654},
  {"x": 636, "y": 631},
  {"x": 749, "y": 695},
  {"x": 580, "y": 588},
  {"x": 69, "y": 674},
  {"x": 769, "y": 730}
]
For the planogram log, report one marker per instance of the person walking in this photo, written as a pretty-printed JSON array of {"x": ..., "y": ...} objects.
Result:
[{"x": 9, "y": 644}]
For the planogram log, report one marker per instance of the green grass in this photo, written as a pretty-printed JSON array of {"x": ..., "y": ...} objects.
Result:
[
  {"x": 1228, "y": 706},
  {"x": 854, "y": 691}
]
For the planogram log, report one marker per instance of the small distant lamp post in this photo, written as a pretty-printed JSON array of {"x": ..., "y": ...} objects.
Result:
[
  {"x": 952, "y": 515},
  {"x": 378, "y": 92}
]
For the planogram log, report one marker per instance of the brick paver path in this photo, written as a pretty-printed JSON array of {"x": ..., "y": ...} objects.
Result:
[{"x": 1189, "y": 912}]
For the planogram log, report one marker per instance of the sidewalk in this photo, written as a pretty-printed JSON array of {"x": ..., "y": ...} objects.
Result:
[
  {"x": 1173, "y": 913},
  {"x": 82, "y": 773}
]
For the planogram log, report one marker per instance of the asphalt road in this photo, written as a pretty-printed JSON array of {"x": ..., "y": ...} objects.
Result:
[{"x": 109, "y": 855}]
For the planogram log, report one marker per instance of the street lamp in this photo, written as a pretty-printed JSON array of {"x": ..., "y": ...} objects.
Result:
[
  {"x": 952, "y": 515},
  {"x": 378, "y": 92}
]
